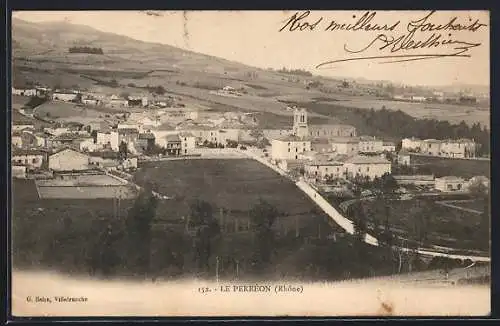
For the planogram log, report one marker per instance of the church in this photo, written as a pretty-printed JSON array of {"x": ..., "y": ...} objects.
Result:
[{"x": 290, "y": 147}]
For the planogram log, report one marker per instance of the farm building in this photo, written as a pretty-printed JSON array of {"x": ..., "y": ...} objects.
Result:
[
  {"x": 173, "y": 144},
  {"x": 289, "y": 147},
  {"x": 146, "y": 141},
  {"x": 32, "y": 159},
  {"x": 389, "y": 147},
  {"x": 19, "y": 127},
  {"x": 369, "y": 144},
  {"x": 345, "y": 145},
  {"x": 188, "y": 142},
  {"x": 19, "y": 171},
  {"x": 404, "y": 158},
  {"x": 321, "y": 146},
  {"x": 449, "y": 183},
  {"x": 68, "y": 160},
  {"x": 65, "y": 96},
  {"x": 323, "y": 169},
  {"x": 367, "y": 166},
  {"x": 24, "y": 91}
]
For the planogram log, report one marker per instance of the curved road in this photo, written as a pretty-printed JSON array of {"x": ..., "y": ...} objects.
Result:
[{"x": 343, "y": 222}]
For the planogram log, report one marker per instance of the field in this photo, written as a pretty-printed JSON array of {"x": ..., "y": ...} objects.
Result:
[
  {"x": 444, "y": 167},
  {"x": 477, "y": 205},
  {"x": 85, "y": 187},
  {"x": 450, "y": 112},
  {"x": 447, "y": 227},
  {"x": 233, "y": 185}
]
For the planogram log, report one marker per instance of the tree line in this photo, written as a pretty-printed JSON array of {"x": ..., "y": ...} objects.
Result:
[{"x": 85, "y": 49}]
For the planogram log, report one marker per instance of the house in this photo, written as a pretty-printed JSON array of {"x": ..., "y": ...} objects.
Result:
[
  {"x": 369, "y": 144},
  {"x": 276, "y": 133},
  {"x": 16, "y": 139},
  {"x": 321, "y": 145},
  {"x": 367, "y": 166},
  {"x": 404, "y": 158},
  {"x": 345, "y": 145},
  {"x": 127, "y": 135},
  {"x": 104, "y": 158},
  {"x": 68, "y": 159},
  {"x": 173, "y": 144},
  {"x": 289, "y": 147},
  {"x": 107, "y": 139},
  {"x": 416, "y": 180},
  {"x": 32, "y": 159},
  {"x": 65, "y": 96},
  {"x": 411, "y": 144},
  {"x": 450, "y": 183},
  {"x": 19, "y": 127},
  {"x": 388, "y": 147},
  {"x": 188, "y": 142},
  {"x": 431, "y": 147},
  {"x": 87, "y": 145},
  {"x": 24, "y": 91},
  {"x": 321, "y": 169},
  {"x": 90, "y": 101},
  {"x": 69, "y": 139},
  {"x": 461, "y": 148},
  {"x": 479, "y": 180},
  {"x": 333, "y": 130},
  {"x": 146, "y": 141},
  {"x": 19, "y": 171},
  {"x": 116, "y": 101}
]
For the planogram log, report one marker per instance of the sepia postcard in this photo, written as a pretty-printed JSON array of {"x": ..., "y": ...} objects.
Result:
[{"x": 250, "y": 163}]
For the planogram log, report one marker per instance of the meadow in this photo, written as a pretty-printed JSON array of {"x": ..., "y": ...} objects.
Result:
[{"x": 446, "y": 166}]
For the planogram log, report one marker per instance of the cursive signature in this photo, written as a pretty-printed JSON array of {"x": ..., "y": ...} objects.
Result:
[{"x": 396, "y": 45}]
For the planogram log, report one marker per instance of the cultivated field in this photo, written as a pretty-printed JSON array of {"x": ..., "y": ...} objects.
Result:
[
  {"x": 445, "y": 166},
  {"x": 85, "y": 187},
  {"x": 234, "y": 185},
  {"x": 447, "y": 227}
]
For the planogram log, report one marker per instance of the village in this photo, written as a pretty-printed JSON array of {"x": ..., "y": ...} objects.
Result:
[{"x": 328, "y": 156}]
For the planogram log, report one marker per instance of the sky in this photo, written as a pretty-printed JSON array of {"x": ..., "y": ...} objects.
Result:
[{"x": 254, "y": 38}]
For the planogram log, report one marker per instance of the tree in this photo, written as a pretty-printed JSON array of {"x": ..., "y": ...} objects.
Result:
[
  {"x": 262, "y": 217},
  {"x": 207, "y": 228},
  {"x": 159, "y": 90},
  {"x": 122, "y": 151},
  {"x": 138, "y": 225},
  {"x": 388, "y": 184},
  {"x": 359, "y": 222}
]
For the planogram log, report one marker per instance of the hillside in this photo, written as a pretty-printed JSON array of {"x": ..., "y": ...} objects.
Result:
[{"x": 41, "y": 55}]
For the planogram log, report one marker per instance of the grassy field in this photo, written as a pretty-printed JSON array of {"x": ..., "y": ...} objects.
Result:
[
  {"x": 477, "y": 205},
  {"x": 445, "y": 167},
  {"x": 234, "y": 185},
  {"x": 448, "y": 227},
  {"x": 453, "y": 113}
]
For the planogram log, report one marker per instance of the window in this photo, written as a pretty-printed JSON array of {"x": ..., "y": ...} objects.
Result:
[
  {"x": 34, "y": 161},
  {"x": 459, "y": 186},
  {"x": 289, "y": 150},
  {"x": 359, "y": 169},
  {"x": 296, "y": 149},
  {"x": 367, "y": 169}
]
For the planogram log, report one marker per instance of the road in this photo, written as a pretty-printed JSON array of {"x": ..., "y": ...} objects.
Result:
[{"x": 342, "y": 221}]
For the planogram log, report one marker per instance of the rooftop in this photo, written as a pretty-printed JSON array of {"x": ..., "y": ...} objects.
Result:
[
  {"x": 172, "y": 138},
  {"x": 127, "y": 131},
  {"x": 450, "y": 178},
  {"x": 22, "y": 152},
  {"x": 292, "y": 138},
  {"x": 363, "y": 159},
  {"x": 147, "y": 135},
  {"x": 344, "y": 140}
]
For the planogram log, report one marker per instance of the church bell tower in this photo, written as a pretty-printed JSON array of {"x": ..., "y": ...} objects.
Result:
[{"x": 300, "y": 128}]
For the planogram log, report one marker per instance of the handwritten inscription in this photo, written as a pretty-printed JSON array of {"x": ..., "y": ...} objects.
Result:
[{"x": 394, "y": 40}]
